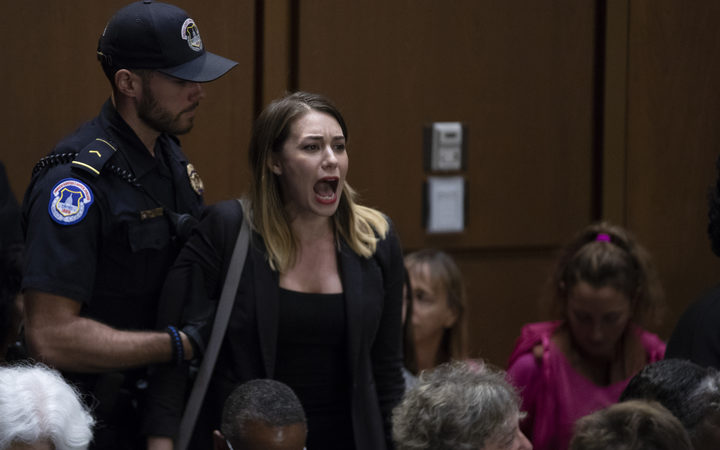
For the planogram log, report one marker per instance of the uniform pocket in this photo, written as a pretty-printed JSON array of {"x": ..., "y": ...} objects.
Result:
[{"x": 150, "y": 234}]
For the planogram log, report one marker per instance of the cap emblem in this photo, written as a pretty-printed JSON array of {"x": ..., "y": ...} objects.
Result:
[{"x": 191, "y": 34}]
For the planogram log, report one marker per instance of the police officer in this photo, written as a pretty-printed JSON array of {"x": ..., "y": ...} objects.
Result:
[{"x": 102, "y": 217}]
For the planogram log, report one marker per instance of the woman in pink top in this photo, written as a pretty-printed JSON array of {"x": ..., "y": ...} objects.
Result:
[{"x": 604, "y": 288}]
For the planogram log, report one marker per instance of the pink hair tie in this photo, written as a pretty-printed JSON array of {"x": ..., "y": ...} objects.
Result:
[{"x": 603, "y": 237}]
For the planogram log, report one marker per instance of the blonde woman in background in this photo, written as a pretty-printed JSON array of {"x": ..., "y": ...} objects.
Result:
[{"x": 437, "y": 310}]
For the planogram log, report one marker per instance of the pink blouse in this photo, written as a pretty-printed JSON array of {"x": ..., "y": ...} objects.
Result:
[{"x": 553, "y": 394}]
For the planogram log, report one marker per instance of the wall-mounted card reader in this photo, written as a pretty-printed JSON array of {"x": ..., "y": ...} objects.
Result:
[{"x": 444, "y": 145}]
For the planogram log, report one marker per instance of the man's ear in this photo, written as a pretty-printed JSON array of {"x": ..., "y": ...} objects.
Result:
[
  {"x": 219, "y": 441},
  {"x": 127, "y": 83}
]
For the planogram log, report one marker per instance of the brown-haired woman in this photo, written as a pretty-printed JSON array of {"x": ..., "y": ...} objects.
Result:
[
  {"x": 320, "y": 297},
  {"x": 604, "y": 288}
]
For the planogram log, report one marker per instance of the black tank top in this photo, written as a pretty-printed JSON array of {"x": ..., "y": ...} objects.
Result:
[{"x": 312, "y": 359}]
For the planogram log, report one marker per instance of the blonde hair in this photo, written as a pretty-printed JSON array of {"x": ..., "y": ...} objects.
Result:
[{"x": 361, "y": 227}]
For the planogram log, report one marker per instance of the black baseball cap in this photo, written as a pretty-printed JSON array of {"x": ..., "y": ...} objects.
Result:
[{"x": 162, "y": 37}]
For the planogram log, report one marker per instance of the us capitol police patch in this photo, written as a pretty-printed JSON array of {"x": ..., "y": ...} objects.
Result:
[{"x": 69, "y": 201}]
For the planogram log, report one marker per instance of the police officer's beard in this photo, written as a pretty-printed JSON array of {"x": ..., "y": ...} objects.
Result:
[{"x": 159, "y": 118}]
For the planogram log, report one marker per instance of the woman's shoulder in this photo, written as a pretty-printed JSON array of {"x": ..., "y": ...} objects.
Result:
[
  {"x": 225, "y": 209},
  {"x": 533, "y": 340},
  {"x": 222, "y": 219},
  {"x": 537, "y": 330},
  {"x": 535, "y": 333},
  {"x": 377, "y": 223},
  {"x": 651, "y": 342},
  {"x": 224, "y": 212},
  {"x": 376, "y": 220}
]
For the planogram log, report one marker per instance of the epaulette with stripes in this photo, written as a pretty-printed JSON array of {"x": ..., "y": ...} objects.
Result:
[{"x": 94, "y": 156}]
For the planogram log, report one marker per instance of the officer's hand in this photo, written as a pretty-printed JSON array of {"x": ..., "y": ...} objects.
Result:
[
  {"x": 188, "y": 348},
  {"x": 197, "y": 321}
]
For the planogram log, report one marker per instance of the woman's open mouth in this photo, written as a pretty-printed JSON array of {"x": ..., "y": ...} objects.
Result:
[{"x": 326, "y": 190}]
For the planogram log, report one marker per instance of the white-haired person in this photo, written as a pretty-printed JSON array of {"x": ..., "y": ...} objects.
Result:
[
  {"x": 460, "y": 406},
  {"x": 40, "y": 411}
]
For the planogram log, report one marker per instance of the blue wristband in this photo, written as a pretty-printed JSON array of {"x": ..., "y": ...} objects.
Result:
[{"x": 177, "y": 346}]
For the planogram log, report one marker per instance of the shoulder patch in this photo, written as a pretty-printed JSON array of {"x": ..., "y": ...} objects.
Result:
[
  {"x": 93, "y": 157},
  {"x": 69, "y": 201}
]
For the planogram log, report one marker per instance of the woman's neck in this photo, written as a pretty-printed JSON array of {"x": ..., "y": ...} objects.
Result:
[
  {"x": 427, "y": 353},
  {"x": 601, "y": 371},
  {"x": 310, "y": 228},
  {"x": 315, "y": 268}
]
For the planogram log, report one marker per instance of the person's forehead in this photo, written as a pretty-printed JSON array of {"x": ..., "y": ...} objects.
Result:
[{"x": 261, "y": 436}]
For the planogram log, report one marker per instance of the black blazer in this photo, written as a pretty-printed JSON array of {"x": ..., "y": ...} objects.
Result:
[{"x": 373, "y": 295}]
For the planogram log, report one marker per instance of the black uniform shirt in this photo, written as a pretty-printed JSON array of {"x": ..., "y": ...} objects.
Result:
[{"x": 99, "y": 249}]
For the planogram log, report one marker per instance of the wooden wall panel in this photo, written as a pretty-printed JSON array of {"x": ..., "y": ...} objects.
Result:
[
  {"x": 503, "y": 290},
  {"x": 519, "y": 75},
  {"x": 54, "y": 83},
  {"x": 673, "y": 140}
]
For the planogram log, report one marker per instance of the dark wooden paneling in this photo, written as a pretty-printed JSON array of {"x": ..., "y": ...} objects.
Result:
[
  {"x": 673, "y": 140},
  {"x": 518, "y": 75},
  {"x": 503, "y": 290},
  {"x": 54, "y": 83}
]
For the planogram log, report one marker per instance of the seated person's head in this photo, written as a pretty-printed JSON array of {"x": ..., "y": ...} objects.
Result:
[
  {"x": 688, "y": 391},
  {"x": 438, "y": 304},
  {"x": 604, "y": 280},
  {"x": 630, "y": 425},
  {"x": 262, "y": 415},
  {"x": 705, "y": 402},
  {"x": 669, "y": 382},
  {"x": 39, "y": 410},
  {"x": 459, "y": 406}
]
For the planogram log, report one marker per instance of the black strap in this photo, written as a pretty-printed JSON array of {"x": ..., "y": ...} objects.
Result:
[{"x": 222, "y": 315}]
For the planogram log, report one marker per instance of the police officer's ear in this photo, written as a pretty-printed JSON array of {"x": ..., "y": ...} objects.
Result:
[{"x": 127, "y": 83}]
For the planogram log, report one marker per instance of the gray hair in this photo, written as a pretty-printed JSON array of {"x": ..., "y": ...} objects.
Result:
[
  {"x": 704, "y": 404},
  {"x": 457, "y": 406},
  {"x": 267, "y": 401},
  {"x": 672, "y": 382},
  {"x": 37, "y": 404}
]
